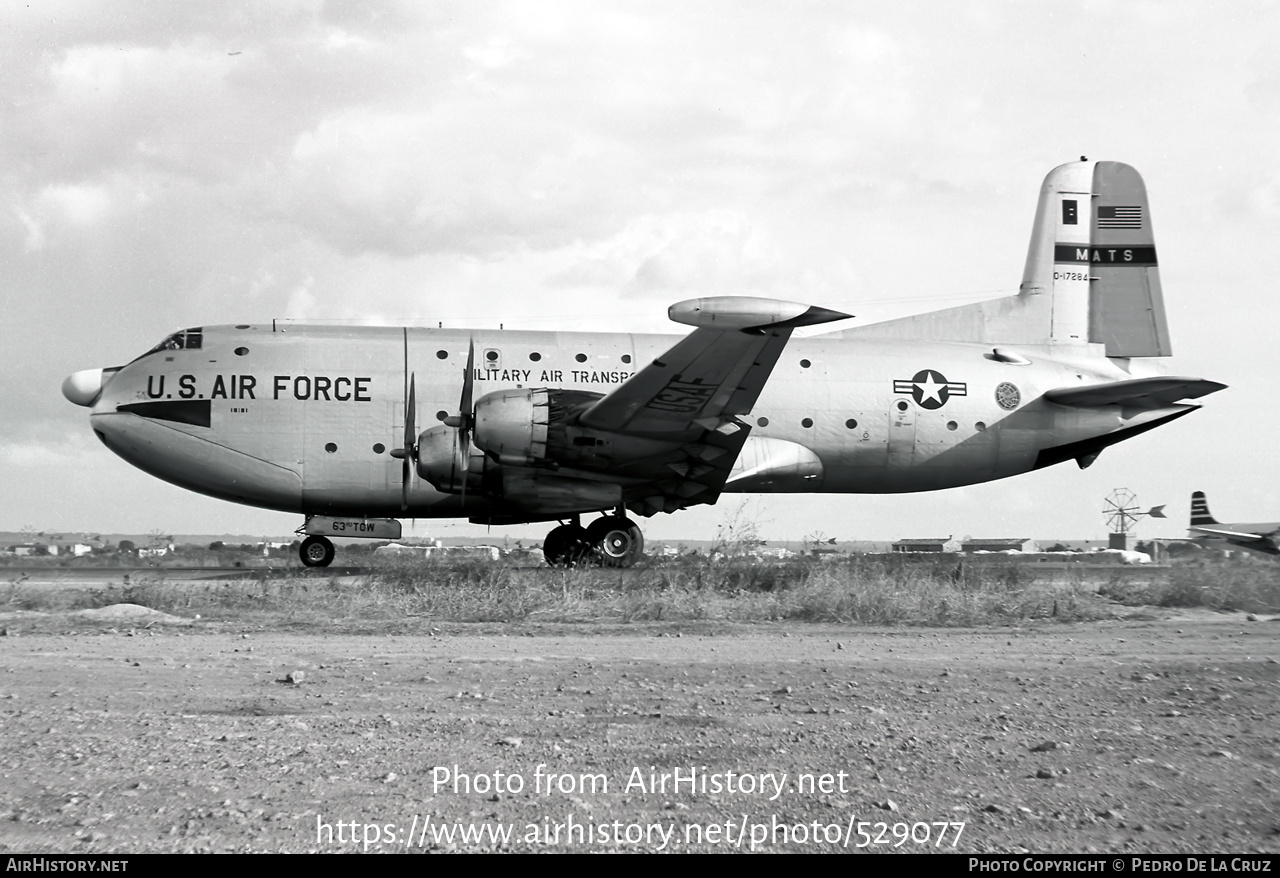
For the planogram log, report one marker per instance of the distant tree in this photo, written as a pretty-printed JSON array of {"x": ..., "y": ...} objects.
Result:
[
  {"x": 216, "y": 545},
  {"x": 126, "y": 546}
]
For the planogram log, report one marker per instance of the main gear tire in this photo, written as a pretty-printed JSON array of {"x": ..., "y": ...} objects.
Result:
[
  {"x": 567, "y": 546},
  {"x": 617, "y": 541}
]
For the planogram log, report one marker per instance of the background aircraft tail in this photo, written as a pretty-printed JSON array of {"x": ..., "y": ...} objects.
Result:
[
  {"x": 1200, "y": 510},
  {"x": 1090, "y": 277}
]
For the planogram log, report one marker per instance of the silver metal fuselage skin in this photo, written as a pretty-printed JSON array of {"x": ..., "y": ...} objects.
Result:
[{"x": 304, "y": 418}]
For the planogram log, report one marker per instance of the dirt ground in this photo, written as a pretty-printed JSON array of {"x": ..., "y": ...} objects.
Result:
[{"x": 1151, "y": 734}]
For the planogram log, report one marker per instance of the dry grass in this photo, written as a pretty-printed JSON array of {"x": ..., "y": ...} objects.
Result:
[
  {"x": 1249, "y": 585},
  {"x": 404, "y": 594}
]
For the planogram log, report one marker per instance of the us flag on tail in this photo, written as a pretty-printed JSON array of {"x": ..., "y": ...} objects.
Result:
[{"x": 1118, "y": 217}]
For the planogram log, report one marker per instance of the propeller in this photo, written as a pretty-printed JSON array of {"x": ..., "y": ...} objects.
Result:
[
  {"x": 409, "y": 451},
  {"x": 462, "y": 424},
  {"x": 465, "y": 419}
]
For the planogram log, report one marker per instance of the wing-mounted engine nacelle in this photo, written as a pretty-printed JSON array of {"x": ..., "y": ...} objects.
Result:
[
  {"x": 444, "y": 459},
  {"x": 512, "y": 424},
  {"x": 528, "y": 427}
]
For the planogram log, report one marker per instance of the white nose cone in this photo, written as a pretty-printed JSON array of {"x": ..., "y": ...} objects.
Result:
[{"x": 83, "y": 387}]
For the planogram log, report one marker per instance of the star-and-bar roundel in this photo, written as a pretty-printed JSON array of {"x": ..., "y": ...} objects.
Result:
[{"x": 930, "y": 389}]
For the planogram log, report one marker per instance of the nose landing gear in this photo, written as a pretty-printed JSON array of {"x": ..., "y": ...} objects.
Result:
[
  {"x": 611, "y": 541},
  {"x": 316, "y": 552}
]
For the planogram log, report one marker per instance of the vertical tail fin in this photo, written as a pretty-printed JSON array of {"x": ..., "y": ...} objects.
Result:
[
  {"x": 1200, "y": 510},
  {"x": 1093, "y": 255},
  {"x": 1090, "y": 276}
]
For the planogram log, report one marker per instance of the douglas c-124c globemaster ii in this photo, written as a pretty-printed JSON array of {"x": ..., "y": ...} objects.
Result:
[{"x": 551, "y": 426}]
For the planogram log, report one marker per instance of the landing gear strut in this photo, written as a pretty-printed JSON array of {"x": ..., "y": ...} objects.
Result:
[
  {"x": 612, "y": 541},
  {"x": 316, "y": 552}
]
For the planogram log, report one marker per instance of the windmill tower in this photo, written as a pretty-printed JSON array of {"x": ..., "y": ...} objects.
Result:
[{"x": 1122, "y": 513}]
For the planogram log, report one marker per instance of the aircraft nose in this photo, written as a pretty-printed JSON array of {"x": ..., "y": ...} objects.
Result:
[{"x": 83, "y": 387}]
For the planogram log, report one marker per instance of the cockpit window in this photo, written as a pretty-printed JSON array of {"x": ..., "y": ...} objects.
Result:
[{"x": 186, "y": 340}]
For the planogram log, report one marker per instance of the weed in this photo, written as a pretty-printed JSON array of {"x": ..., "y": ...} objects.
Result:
[{"x": 855, "y": 590}]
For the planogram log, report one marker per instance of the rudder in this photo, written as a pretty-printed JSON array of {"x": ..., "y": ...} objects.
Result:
[
  {"x": 1200, "y": 510},
  {"x": 1093, "y": 253}
]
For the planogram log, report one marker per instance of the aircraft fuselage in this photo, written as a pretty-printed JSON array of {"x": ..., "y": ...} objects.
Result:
[{"x": 305, "y": 418}]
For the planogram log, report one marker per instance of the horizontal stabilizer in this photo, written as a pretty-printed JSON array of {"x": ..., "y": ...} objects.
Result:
[{"x": 1138, "y": 391}]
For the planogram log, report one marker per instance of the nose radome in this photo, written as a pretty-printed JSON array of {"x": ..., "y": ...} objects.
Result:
[{"x": 83, "y": 387}]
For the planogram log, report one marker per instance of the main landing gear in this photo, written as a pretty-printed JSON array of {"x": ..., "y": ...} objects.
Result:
[
  {"x": 316, "y": 552},
  {"x": 612, "y": 541}
]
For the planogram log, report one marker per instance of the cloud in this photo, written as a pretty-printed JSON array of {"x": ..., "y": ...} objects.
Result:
[
  {"x": 579, "y": 165},
  {"x": 78, "y": 205}
]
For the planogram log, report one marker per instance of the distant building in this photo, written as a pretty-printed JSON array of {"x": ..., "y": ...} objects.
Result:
[
  {"x": 1007, "y": 544},
  {"x": 491, "y": 553},
  {"x": 932, "y": 544}
]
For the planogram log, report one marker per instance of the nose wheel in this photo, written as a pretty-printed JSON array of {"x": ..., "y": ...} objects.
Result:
[{"x": 316, "y": 552}]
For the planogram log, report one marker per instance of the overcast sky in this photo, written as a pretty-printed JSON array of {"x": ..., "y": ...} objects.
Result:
[{"x": 562, "y": 165}]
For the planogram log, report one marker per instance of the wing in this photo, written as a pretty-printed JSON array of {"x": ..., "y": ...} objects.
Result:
[
  {"x": 1263, "y": 544},
  {"x": 1138, "y": 392},
  {"x": 710, "y": 376},
  {"x": 691, "y": 397},
  {"x": 1229, "y": 534}
]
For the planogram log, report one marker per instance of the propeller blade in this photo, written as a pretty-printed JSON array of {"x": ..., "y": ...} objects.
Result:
[
  {"x": 410, "y": 415},
  {"x": 468, "y": 417},
  {"x": 410, "y": 443},
  {"x": 464, "y": 405}
]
